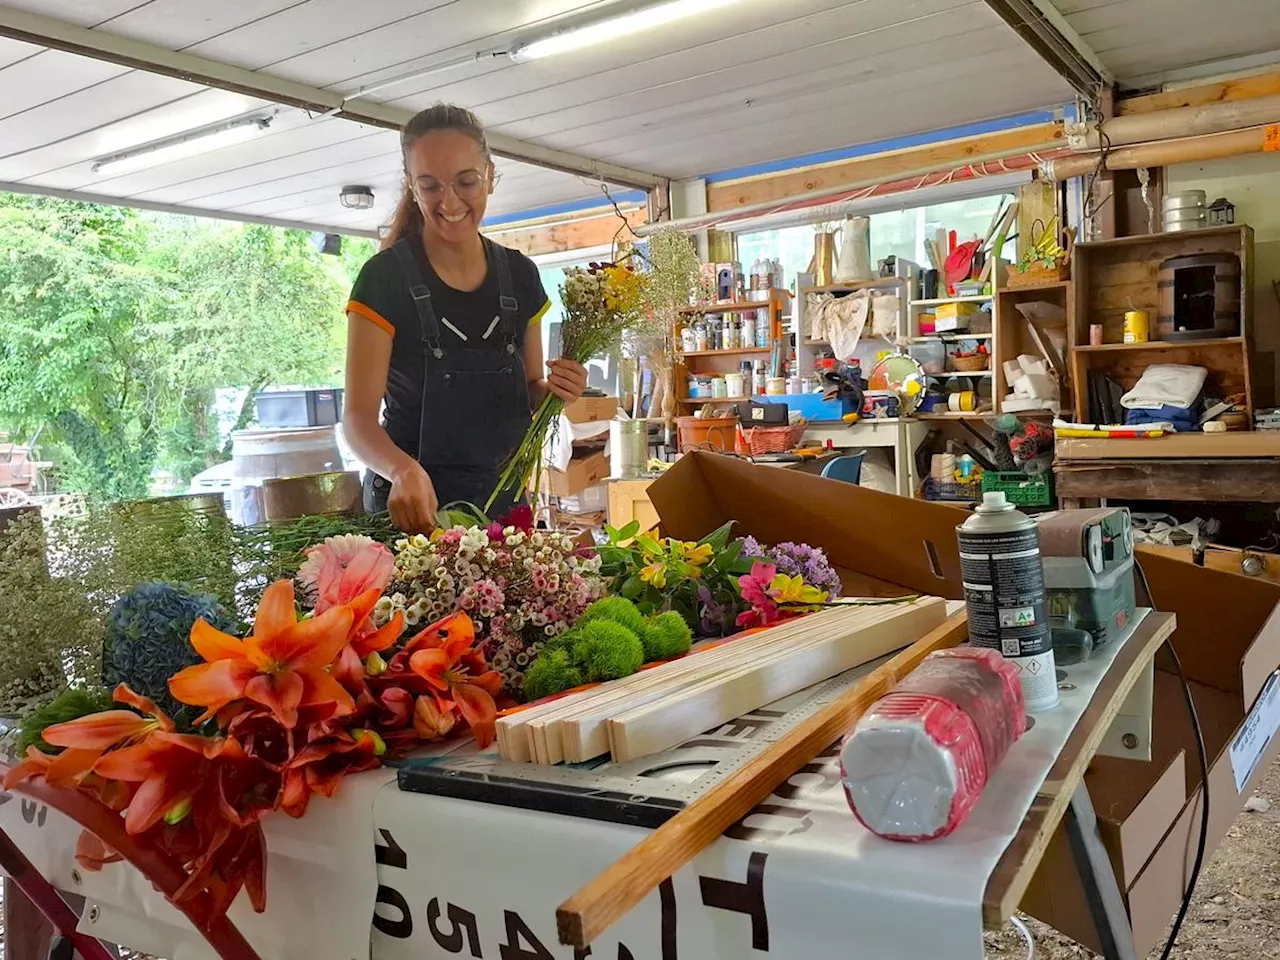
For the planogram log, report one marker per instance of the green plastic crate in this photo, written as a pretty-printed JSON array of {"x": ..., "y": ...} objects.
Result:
[{"x": 1020, "y": 489}]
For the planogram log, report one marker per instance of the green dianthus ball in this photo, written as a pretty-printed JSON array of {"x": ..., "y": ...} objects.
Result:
[
  {"x": 607, "y": 651},
  {"x": 617, "y": 609},
  {"x": 552, "y": 672},
  {"x": 665, "y": 636}
]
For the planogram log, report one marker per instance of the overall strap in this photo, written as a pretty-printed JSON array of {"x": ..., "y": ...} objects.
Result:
[
  {"x": 428, "y": 327},
  {"x": 508, "y": 306}
]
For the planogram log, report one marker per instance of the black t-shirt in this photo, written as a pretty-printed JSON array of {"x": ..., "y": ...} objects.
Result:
[{"x": 381, "y": 295}]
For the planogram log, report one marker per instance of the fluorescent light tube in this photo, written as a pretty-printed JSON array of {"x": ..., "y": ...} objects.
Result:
[
  {"x": 610, "y": 28},
  {"x": 184, "y": 145}
]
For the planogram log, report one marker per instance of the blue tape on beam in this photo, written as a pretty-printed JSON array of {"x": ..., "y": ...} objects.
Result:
[
  {"x": 884, "y": 146},
  {"x": 572, "y": 206}
]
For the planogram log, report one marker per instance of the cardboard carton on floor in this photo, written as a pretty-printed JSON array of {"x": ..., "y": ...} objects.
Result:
[{"x": 1228, "y": 639}]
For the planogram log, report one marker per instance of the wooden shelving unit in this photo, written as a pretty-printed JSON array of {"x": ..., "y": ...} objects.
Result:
[
  {"x": 807, "y": 347},
  {"x": 1015, "y": 338},
  {"x": 721, "y": 362},
  {"x": 1110, "y": 277}
]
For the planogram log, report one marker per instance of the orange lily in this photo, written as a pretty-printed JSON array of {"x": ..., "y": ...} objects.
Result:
[
  {"x": 444, "y": 657},
  {"x": 431, "y": 721},
  {"x": 320, "y": 766},
  {"x": 86, "y": 739},
  {"x": 282, "y": 665},
  {"x": 168, "y": 767}
]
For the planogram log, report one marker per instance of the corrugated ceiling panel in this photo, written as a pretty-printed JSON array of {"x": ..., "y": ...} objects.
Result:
[
  {"x": 756, "y": 82},
  {"x": 1139, "y": 39}
]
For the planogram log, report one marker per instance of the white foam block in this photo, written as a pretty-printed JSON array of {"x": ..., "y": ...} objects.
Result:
[{"x": 1039, "y": 386}]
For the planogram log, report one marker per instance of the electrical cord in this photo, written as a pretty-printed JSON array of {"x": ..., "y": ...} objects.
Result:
[
  {"x": 1204, "y": 774},
  {"x": 1026, "y": 935}
]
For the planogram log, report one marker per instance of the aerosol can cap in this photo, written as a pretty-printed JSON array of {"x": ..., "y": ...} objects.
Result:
[{"x": 993, "y": 501}]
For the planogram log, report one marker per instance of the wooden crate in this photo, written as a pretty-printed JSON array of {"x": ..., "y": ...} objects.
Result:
[{"x": 1111, "y": 277}]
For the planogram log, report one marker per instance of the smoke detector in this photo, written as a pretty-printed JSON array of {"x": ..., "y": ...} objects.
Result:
[{"x": 356, "y": 197}]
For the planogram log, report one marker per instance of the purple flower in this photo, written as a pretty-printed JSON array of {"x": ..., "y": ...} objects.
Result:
[{"x": 798, "y": 560}]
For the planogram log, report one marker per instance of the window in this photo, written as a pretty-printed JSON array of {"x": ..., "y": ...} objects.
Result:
[{"x": 899, "y": 233}]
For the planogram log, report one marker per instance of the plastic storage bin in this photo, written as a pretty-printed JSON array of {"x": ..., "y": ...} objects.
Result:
[{"x": 298, "y": 408}]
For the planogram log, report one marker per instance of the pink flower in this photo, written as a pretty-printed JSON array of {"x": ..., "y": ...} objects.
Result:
[
  {"x": 342, "y": 568},
  {"x": 755, "y": 585}
]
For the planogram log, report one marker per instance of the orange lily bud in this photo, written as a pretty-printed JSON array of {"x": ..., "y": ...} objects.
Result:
[
  {"x": 429, "y": 721},
  {"x": 375, "y": 665},
  {"x": 379, "y": 745},
  {"x": 178, "y": 812}
]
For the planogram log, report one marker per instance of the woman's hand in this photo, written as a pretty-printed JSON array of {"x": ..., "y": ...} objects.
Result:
[
  {"x": 567, "y": 379},
  {"x": 412, "y": 501}
]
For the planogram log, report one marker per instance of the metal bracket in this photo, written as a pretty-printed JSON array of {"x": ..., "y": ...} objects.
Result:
[{"x": 1101, "y": 890}]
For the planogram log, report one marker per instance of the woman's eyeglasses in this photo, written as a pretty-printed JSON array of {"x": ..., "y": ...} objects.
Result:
[{"x": 468, "y": 185}]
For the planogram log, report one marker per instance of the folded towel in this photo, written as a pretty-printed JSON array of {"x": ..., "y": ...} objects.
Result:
[{"x": 1172, "y": 384}]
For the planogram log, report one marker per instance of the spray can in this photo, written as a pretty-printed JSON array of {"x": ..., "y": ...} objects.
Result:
[{"x": 1004, "y": 592}]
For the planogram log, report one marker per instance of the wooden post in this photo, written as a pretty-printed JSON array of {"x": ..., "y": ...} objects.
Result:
[{"x": 1104, "y": 187}]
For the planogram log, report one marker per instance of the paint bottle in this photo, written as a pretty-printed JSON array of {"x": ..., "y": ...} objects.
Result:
[{"x": 1004, "y": 592}]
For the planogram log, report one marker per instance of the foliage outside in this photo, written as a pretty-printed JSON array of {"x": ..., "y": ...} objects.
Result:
[{"x": 117, "y": 327}]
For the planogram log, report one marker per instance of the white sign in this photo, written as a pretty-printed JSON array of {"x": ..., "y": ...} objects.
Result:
[{"x": 1255, "y": 736}]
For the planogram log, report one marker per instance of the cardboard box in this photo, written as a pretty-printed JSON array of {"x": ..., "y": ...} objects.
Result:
[
  {"x": 581, "y": 473},
  {"x": 1248, "y": 563},
  {"x": 591, "y": 409},
  {"x": 1228, "y": 640}
]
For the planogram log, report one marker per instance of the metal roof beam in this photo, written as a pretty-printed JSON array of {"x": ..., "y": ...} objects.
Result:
[
  {"x": 1046, "y": 31},
  {"x": 148, "y": 57}
]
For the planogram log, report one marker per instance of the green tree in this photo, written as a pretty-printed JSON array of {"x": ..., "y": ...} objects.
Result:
[
  {"x": 117, "y": 328},
  {"x": 75, "y": 355}
]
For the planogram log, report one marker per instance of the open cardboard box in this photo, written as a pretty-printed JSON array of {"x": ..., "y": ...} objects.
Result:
[{"x": 1228, "y": 640}]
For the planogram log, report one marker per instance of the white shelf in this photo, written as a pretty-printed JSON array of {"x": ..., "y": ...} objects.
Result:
[
  {"x": 939, "y": 301},
  {"x": 930, "y": 337}
]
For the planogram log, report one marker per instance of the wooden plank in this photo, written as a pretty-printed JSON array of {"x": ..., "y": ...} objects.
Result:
[
  {"x": 659, "y": 725},
  {"x": 884, "y": 166},
  {"x": 574, "y": 235},
  {"x": 602, "y": 902},
  {"x": 1236, "y": 481},
  {"x": 1012, "y": 876},
  {"x": 1244, "y": 88},
  {"x": 1202, "y": 446}
]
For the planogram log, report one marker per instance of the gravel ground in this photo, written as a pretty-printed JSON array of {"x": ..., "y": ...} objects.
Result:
[{"x": 1235, "y": 912}]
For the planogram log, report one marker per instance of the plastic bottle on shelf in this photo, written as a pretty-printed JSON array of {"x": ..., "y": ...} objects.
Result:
[
  {"x": 748, "y": 331},
  {"x": 700, "y": 336},
  {"x": 732, "y": 334}
]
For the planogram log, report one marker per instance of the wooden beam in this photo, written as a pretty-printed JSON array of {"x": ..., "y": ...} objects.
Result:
[
  {"x": 570, "y": 235},
  {"x": 1210, "y": 481},
  {"x": 732, "y": 194},
  {"x": 607, "y": 898},
  {"x": 1226, "y": 91}
]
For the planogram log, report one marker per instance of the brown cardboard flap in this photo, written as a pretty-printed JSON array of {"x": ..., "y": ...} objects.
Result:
[
  {"x": 1133, "y": 811},
  {"x": 1224, "y": 623},
  {"x": 892, "y": 539}
]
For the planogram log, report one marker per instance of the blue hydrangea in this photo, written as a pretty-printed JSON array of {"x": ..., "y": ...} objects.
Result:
[{"x": 148, "y": 638}]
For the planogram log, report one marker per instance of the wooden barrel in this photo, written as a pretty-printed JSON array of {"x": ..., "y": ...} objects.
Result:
[
  {"x": 1199, "y": 297},
  {"x": 319, "y": 493},
  {"x": 260, "y": 455},
  {"x": 708, "y": 433}
]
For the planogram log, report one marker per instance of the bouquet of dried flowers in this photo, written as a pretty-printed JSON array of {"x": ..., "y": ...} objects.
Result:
[
  {"x": 600, "y": 304},
  {"x": 520, "y": 587}
]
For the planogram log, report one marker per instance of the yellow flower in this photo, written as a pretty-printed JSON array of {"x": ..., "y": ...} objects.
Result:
[
  {"x": 655, "y": 574},
  {"x": 792, "y": 590},
  {"x": 698, "y": 555}
]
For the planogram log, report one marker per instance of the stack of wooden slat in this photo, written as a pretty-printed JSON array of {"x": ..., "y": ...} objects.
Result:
[{"x": 659, "y": 708}]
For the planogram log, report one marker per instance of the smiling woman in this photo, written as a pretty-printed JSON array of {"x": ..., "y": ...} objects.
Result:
[{"x": 444, "y": 327}]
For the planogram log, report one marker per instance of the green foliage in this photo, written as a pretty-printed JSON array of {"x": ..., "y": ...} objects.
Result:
[
  {"x": 71, "y": 704},
  {"x": 116, "y": 328},
  {"x": 552, "y": 672},
  {"x": 607, "y": 651},
  {"x": 665, "y": 636},
  {"x": 148, "y": 638},
  {"x": 696, "y": 580},
  {"x": 618, "y": 609}
]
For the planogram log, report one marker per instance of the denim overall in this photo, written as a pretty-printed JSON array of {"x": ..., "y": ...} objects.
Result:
[{"x": 475, "y": 396}]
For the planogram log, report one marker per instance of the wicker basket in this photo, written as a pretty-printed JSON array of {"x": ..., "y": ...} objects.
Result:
[
  {"x": 762, "y": 440},
  {"x": 970, "y": 364},
  {"x": 1036, "y": 274}
]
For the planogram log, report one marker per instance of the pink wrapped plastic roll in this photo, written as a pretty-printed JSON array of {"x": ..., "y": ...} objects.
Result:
[{"x": 918, "y": 760}]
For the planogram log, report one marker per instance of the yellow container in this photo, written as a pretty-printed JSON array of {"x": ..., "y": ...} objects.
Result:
[
  {"x": 954, "y": 311},
  {"x": 1137, "y": 326}
]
